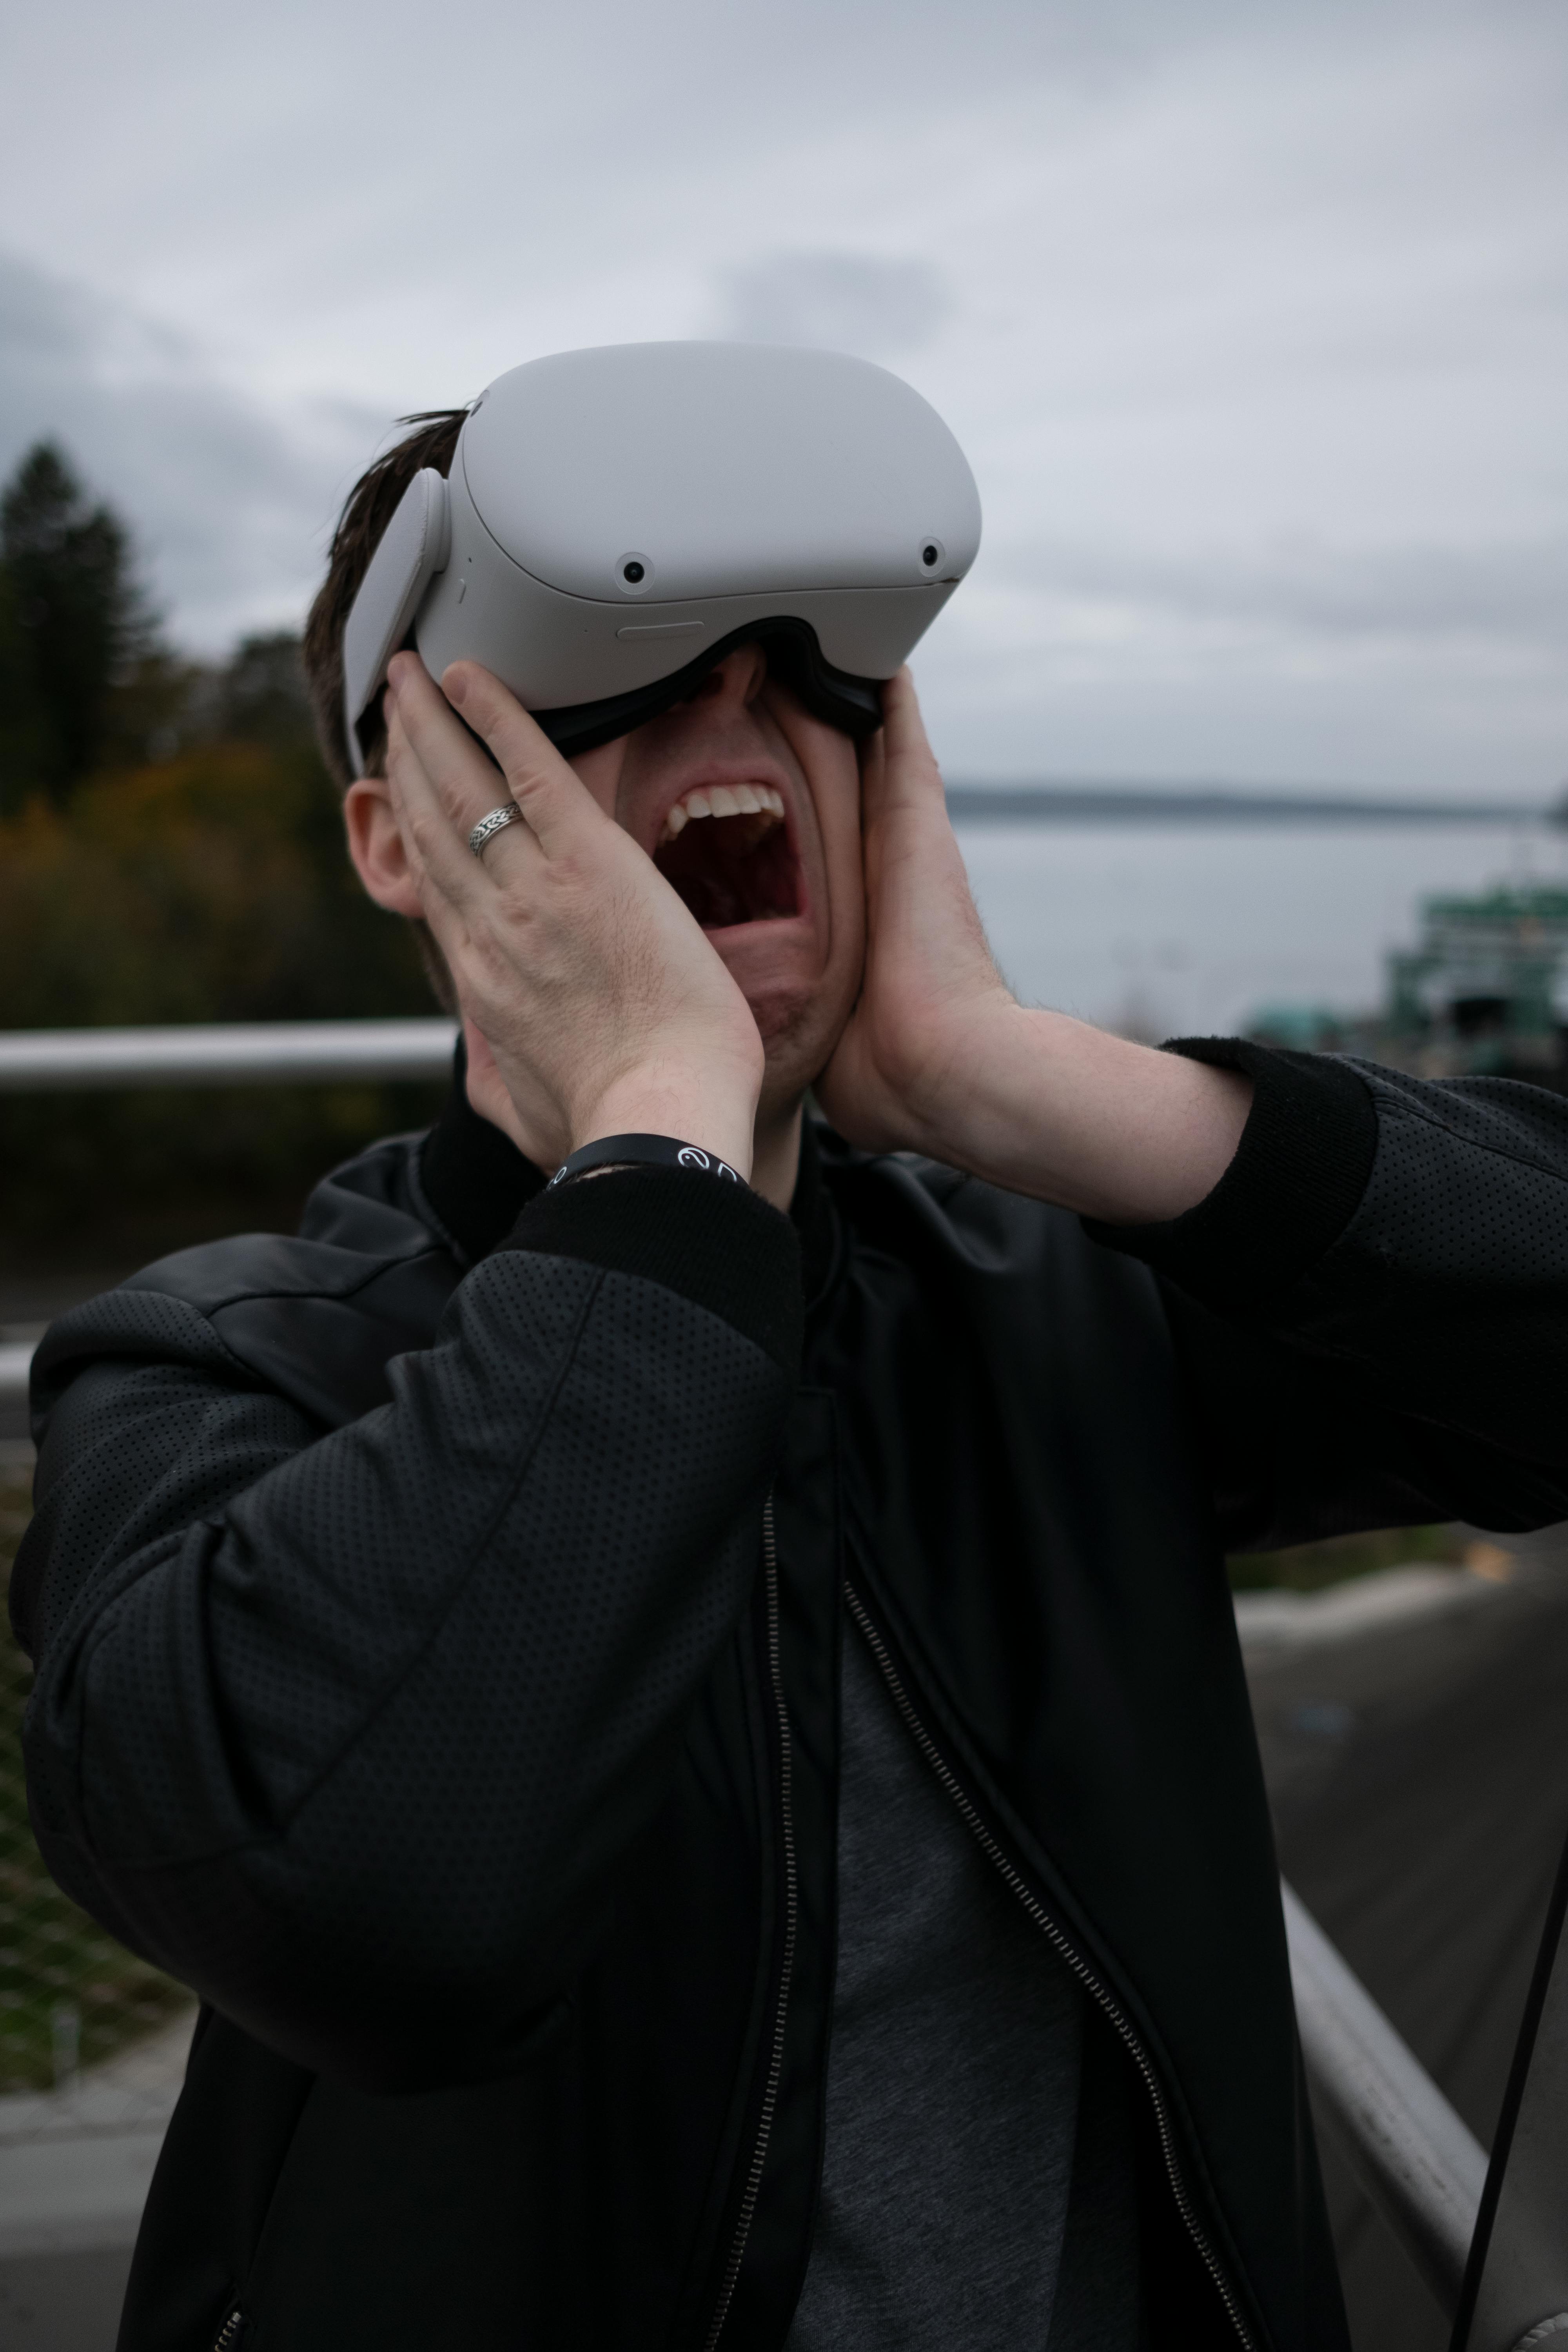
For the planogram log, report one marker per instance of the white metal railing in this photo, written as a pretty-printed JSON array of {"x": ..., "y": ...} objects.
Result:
[
  {"x": 1416, "y": 2160},
  {"x": 1419, "y": 2163},
  {"x": 231, "y": 1054},
  {"x": 227, "y": 1054},
  {"x": 1505, "y": 2283}
]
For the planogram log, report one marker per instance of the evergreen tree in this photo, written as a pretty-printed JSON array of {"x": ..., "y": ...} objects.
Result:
[
  {"x": 79, "y": 625},
  {"x": 24, "y": 729},
  {"x": 263, "y": 698}
]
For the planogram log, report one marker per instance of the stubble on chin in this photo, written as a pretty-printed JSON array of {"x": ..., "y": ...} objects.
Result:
[{"x": 799, "y": 1031}]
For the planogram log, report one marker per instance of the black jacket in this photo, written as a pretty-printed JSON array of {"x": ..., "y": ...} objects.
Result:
[{"x": 424, "y": 1677}]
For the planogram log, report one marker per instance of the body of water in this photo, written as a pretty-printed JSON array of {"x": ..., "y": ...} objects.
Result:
[{"x": 1185, "y": 928}]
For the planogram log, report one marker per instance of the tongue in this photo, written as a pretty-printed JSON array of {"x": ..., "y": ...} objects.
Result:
[{"x": 714, "y": 902}]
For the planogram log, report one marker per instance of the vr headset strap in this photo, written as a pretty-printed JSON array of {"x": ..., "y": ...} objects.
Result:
[{"x": 413, "y": 548}]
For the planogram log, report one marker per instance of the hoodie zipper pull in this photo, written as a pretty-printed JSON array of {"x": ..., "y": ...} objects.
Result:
[{"x": 231, "y": 2331}]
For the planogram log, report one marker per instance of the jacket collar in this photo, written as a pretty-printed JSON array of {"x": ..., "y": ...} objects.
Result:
[{"x": 474, "y": 1177}]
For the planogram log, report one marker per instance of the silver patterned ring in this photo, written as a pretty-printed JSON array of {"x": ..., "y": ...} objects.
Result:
[{"x": 489, "y": 826}]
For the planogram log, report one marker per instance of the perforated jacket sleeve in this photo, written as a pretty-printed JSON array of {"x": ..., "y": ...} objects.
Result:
[
  {"x": 1372, "y": 1303},
  {"x": 348, "y": 1726}
]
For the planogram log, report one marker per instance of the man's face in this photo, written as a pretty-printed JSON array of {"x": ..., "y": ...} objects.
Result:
[{"x": 778, "y": 887}]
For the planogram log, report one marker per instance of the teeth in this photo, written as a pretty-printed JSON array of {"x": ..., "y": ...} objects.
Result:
[{"x": 723, "y": 799}]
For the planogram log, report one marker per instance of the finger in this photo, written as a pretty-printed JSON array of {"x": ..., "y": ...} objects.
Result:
[
  {"x": 899, "y": 776},
  {"x": 911, "y": 766},
  {"x": 561, "y": 811},
  {"x": 436, "y": 823},
  {"x": 457, "y": 897},
  {"x": 873, "y": 794},
  {"x": 873, "y": 763},
  {"x": 436, "y": 766},
  {"x": 452, "y": 764}
]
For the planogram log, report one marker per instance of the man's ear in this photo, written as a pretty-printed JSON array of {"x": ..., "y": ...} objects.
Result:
[{"x": 375, "y": 844}]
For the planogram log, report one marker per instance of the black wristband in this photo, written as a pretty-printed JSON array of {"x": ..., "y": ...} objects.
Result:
[{"x": 642, "y": 1150}]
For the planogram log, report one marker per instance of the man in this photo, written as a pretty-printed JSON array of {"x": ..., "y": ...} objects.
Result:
[{"x": 689, "y": 1732}]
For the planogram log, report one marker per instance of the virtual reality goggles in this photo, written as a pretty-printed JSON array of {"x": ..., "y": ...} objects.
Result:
[{"x": 616, "y": 520}]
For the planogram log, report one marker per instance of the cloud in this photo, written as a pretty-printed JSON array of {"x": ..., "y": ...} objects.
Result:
[
  {"x": 228, "y": 502},
  {"x": 1248, "y": 316},
  {"x": 1500, "y": 590},
  {"x": 858, "y": 302}
]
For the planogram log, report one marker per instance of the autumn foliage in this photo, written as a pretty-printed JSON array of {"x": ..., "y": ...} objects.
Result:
[
  {"x": 171, "y": 850},
  {"x": 211, "y": 886}
]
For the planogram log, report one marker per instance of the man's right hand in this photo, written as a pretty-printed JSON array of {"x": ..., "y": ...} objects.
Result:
[{"x": 592, "y": 1004}]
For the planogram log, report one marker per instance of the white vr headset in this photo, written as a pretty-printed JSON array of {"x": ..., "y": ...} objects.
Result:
[{"x": 616, "y": 520}]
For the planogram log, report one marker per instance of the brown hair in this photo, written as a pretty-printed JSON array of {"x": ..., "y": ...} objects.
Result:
[{"x": 370, "y": 506}]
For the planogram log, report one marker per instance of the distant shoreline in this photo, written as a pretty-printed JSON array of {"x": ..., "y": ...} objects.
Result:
[{"x": 1213, "y": 805}]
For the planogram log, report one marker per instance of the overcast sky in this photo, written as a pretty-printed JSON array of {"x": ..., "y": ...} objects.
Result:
[{"x": 1252, "y": 316}]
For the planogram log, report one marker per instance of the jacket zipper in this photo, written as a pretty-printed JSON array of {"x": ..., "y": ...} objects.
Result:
[
  {"x": 228, "y": 2333},
  {"x": 786, "y": 1965},
  {"x": 1042, "y": 1919}
]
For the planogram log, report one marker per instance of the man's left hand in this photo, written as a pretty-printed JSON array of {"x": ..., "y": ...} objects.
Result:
[
  {"x": 940, "y": 1057},
  {"x": 903, "y": 1071}
]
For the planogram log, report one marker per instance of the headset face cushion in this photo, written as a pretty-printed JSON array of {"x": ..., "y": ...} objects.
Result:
[{"x": 854, "y": 705}]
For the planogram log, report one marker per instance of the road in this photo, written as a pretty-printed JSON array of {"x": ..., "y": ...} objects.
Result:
[{"x": 1419, "y": 1779}]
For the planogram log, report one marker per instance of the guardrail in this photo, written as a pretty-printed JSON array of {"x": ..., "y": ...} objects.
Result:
[
  {"x": 1418, "y": 2162},
  {"x": 227, "y": 1053},
  {"x": 233, "y": 1053}
]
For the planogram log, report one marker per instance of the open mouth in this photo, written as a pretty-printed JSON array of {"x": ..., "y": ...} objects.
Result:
[{"x": 725, "y": 850}]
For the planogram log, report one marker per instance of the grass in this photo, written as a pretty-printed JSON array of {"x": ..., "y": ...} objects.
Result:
[{"x": 69, "y": 1993}]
